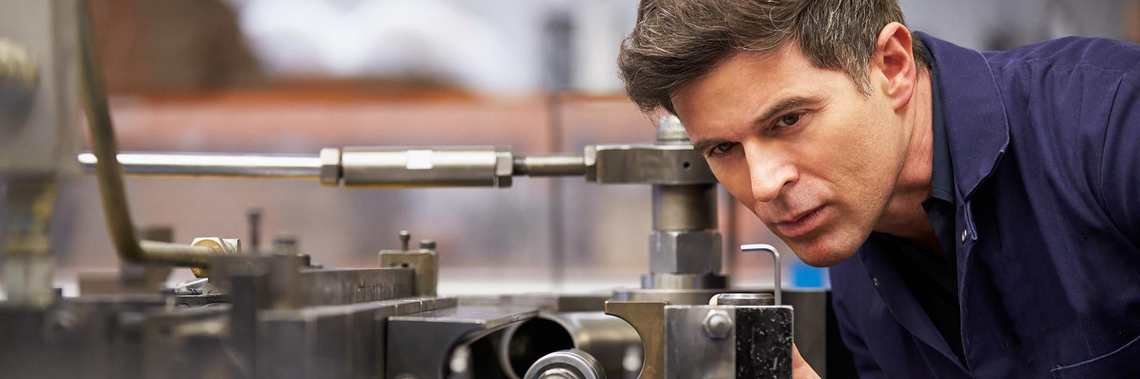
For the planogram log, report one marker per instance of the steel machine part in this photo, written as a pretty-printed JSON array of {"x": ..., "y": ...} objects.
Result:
[
  {"x": 422, "y": 261},
  {"x": 277, "y": 315},
  {"x": 705, "y": 341},
  {"x": 566, "y": 364},
  {"x": 610, "y": 340}
]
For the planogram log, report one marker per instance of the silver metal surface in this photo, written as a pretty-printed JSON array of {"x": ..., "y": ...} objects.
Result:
[
  {"x": 550, "y": 165},
  {"x": 749, "y": 299},
  {"x": 213, "y": 165},
  {"x": 684, "y": 281},
  {"x": 684, "y": 207},
  {"x": 428, "y": 167},
  {"x": 330, "y": 171},
  {"x": 685, "y": 252},
  {"x": 776, "y": 267},
  {"x": 566, "y": 364},
  {"x": 647, "y": 164},
  {"x": 690, "y": 296},
  {"x": 609, "y": 339},
  {"x": 690, "y": 352},
  {"x": 717, "y": 324}
]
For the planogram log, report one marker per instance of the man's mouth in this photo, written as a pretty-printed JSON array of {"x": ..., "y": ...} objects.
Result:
[{"x": 802, "y": 223}]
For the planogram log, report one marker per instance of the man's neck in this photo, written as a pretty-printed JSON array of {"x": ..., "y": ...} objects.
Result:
[{"x": 905, "y": 216}]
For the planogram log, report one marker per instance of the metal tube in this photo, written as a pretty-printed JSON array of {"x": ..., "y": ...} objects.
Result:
[
  {"x": 115, "y": 207},
  {"x": 550, "y": 165},
  {"x": 212, "y": 165},
  {"x": 428, "y": 167}
]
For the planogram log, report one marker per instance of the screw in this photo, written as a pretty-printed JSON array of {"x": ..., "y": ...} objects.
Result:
[
  {"x": 405, "y": 237},
  {"x": 427, "y": 244},
  {"x": 717, "y": 324}
]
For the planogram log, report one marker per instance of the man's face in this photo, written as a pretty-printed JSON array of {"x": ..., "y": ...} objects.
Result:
[{"x": 813, "y": 157}]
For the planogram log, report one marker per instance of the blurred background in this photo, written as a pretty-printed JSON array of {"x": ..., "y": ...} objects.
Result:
[{"x": 293, "y": 76}]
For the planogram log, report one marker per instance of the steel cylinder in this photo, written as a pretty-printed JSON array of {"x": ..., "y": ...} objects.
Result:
[
  {"x": 466, "y": 167},
  {"x": 610, "y": 339},
  {"x": 684, "y": 207}
]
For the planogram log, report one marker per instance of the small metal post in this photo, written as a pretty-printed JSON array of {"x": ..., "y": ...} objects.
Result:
[{"x": 405, "y": 238}]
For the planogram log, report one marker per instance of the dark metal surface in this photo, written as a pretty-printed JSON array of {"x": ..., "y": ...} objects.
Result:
[
  {"x": 341, "y": 341},
  {"x": 764, "y": 342},
  {"x": 420, "y": 346}
]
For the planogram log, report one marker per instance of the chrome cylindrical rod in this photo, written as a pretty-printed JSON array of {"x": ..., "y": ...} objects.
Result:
[
  {"x": 551, "y": 165},
  {"x": 217, "y": 165},
  {"x": 426, "y": 167}
]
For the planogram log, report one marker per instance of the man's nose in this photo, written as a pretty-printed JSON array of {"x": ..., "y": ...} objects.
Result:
[{"x": 769, "y": 172}]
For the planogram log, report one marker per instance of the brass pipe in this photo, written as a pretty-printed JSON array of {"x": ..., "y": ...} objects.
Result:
[{"x": 115, "y": 207}]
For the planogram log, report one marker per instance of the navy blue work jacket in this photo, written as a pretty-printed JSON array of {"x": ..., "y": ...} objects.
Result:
[{"x": 1045, "y": 146}]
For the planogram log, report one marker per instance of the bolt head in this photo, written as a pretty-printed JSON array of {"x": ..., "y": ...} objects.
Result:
[{"x": 718, "y": 324}]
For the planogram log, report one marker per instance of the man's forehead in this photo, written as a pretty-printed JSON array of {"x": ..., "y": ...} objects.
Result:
[{"x": 742, "y": 85}]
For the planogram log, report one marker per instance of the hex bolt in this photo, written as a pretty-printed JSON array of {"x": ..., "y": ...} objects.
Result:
[
  {"x": 405, "y": 238},
  {"x": 427, "y": 244},
  {"x": 718, "y": 324}
]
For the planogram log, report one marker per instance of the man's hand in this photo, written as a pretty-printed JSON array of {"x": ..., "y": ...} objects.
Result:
[{"x": 800, "y": 368}]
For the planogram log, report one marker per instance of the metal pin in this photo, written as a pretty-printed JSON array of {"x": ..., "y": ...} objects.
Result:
[{"x": 405, "y": 238}]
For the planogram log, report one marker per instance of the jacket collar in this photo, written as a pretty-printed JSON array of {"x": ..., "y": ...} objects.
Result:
[{"x": 975, "y": 116}]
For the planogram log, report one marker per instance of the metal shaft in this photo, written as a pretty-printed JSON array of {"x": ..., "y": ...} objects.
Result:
[
  {"x": 684, "y": 207},
  {"x": 115, "y": 206},
  {"x": 217, "y": 165},
  {"x": 355, "y": 166}
]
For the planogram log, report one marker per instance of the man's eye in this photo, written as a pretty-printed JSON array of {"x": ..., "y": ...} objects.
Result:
[
  {"x": 723, "y": 148},
  {"x": 789, "y": 120}
]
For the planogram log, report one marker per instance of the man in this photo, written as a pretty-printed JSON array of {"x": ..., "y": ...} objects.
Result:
[{"x": 980, "y": 211}]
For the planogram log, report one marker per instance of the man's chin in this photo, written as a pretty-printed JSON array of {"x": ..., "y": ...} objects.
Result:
[{"x": 820, "y": 253}]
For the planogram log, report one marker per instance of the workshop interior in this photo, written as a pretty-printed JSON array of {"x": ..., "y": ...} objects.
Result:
[{"x": 391, "y": 189}]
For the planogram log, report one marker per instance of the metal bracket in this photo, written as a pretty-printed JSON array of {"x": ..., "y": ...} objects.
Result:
[{"x": 648, "y": 319}]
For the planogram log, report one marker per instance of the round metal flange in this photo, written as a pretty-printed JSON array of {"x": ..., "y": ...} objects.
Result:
[
  {"x": 566, "y": 364},
  {"x": 745, "y": 299}
]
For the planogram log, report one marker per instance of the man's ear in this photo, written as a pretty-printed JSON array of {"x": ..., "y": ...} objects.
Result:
[{"x": 894, "y": 58}]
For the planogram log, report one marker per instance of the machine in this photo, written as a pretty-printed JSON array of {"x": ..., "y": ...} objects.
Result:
[{"x": 274, "y": 314}]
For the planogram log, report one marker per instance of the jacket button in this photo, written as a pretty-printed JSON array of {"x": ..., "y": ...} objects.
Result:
[
  {"x": 875, "y": 281},
  {"x": 963, "y": 236}
]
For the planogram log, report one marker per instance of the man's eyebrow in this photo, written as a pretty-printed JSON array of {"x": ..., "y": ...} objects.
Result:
[
  {"x": 786, "y": 104},
  {"x": 780, "y": 107},
  {"x": 702, "y": 145}
]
